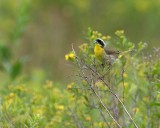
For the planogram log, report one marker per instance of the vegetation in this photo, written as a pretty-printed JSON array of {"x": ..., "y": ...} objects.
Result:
[
  {"x": 124, "y": 94},
  {"x": 33, "y": 94}
]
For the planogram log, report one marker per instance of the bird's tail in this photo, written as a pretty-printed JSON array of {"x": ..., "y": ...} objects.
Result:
[{"x": 126, "y": 52}]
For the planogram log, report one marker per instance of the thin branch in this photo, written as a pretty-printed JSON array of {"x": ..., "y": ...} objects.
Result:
[
  {"x": 104, "y": 118},
  {"x": 105, "y": 107},
  {"x": 115, "y": 96},
  {"x": 102, "y": 103},
  {"x": 74, "y": 116},
  {"x": 122, "y": 75},
  {"x": 79, "y": 62},
  {"x": 124, "y": 108}
]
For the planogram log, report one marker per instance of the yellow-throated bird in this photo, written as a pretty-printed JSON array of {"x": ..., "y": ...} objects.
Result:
[{"x": 103, "y": 53}]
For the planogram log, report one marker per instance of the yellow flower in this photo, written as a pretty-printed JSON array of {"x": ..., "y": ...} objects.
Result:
[
  {"x": 88, "y": 118},
  {"x": 125, "y": 75},
  {"x": 21, "y": 88},
  {"x": 70, "y": 86},
  {"x": 40, "y": 110},
  {"x": 125, "y": 84},
  {"x": 135, "y": 109},
  {"x": 101, "y": 124},
  {"x": 99, "y": 34},
  {"x": 70, "y": 56},
  {"x": 10, "y": 99},
  {"x": 72, "y": 98},
  {"x": 11, "y": 95},
  {"x": 93, "y": 37},
  {"x": 37, "y": 98},
  {"x": 59, "y": 107},
  {"x": 104, "y": 37},
  {"x": 83, "y": 47},
  {"x": 66, "y": 56},
  {"x": 119, "y": 33},
  {"x": 95, "y": 32},
  {"x": 120, "y": 56},
  {"x": 99, "y": 84},
  {"x": 49, "y": 84}
]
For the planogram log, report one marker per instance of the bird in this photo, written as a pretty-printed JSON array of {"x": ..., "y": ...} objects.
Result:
[{"x": 103, "y": 53}]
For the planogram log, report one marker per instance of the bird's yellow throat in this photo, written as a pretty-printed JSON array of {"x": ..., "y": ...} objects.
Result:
[{"x": 98, "y": 51}]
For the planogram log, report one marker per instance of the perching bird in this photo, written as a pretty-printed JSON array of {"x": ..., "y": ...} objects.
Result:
[{"x": 103, "y": 53}]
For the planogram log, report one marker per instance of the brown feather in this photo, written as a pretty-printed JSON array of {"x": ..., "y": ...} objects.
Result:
[{"x": 109, "y": 51}]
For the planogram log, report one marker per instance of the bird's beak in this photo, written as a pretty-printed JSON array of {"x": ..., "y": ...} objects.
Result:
[{"x": 95, "y": 42}]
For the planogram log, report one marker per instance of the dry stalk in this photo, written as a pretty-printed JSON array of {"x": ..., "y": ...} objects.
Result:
[{"x": 81, "y": 64}]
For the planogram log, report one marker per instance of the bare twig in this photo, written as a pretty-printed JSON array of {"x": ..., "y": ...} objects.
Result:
[
  {"x": 122, "y": 75},
  {"x": 124, "y": 109},
  {"x": 74, "y": 116},
  {"x": 116, "y": 97},
  {"x": 103, "y": 104},
  {"x": 105, "y": 107},
  {"x": 96, "y": 75},
  {"x": 104, "y": 118}
]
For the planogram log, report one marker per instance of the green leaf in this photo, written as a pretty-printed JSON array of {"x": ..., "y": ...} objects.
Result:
[
  {"x": 156, "y": 104},
  {"x": 141, "y": 46},
  {"x": 5, "y": 53},
  {"x": 15, "y": 69},
  {"x": 158, "y": 115},
  {"x": 157, "y": 84},
  {"x": 90, "y": 32}
]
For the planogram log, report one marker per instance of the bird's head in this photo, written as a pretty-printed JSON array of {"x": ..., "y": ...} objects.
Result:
[{"x": 100, "y": 42}]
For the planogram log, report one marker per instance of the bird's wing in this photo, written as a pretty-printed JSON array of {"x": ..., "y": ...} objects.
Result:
[{"x": 110, "y": 51}]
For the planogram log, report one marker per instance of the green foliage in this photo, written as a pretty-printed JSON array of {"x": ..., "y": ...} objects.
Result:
[
  {"x": 9, "y": 64},
  {"x": 5, "y": 53},
  {"x": 130, "y": 85},
  {"x": 35, "y": 105},
  {"x": 134, "y": 77}
]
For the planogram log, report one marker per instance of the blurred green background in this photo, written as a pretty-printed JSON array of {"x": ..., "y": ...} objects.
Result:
[{"x": 41, "y": 32}]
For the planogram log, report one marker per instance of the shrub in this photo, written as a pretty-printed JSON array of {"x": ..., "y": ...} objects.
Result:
[{"x": 123, "y": 93}]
